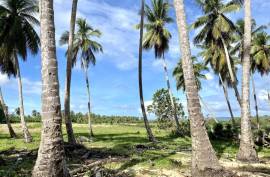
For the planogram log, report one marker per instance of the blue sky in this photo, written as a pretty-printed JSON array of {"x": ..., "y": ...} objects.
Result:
[{"x": 113, "y": 81}]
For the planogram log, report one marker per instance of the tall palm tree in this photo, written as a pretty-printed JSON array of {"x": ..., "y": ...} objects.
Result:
[
  {"x": 216, "y": 31},
  {"x": 71, "y": 137},
  {"x": 51, "y": 156},
  {"x": 19, "y": 37},
  {"x": 5, "y": 110},
  {"x": 215, "y": 56},
  {"x": 198, "y": 68},
  {"x": 86, "y": 47},
  {"x": 157, "y": 36},
  {"x": 146, "y": 123},
  {"x": 247, "y": 151},
  {"x": 260, "y": 53},
  {"x": 204, "y": 160},
  {"x": 260, "y": 58}
]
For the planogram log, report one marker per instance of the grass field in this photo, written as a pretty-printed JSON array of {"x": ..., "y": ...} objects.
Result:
[{"x": 125, "y": 148}]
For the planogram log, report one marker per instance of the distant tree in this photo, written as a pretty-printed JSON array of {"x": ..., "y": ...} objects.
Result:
[
  {"x": 163, "y": 109},
  {"x": 34, "y": 113},
  {"x": 17, "y": 111}
]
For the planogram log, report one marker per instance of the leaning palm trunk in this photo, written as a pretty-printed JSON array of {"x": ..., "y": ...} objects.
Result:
[
  {"x": 232, "y": 76},
  {"x": 5, "y": 110},
  {"x": 225, "y": 90},
  {"x": 26, "y": 133},
  {"x": 247, "y": 150},
  {"x": 91, "y": 134},
  {"x": 204, "y": 160},
  {"x": 255, "y": 101},
  {"x": 171, "y": 95},
  {"x": 51, "y": 155},
  {"x": 71, "y": 137},
  {"x": 146, "y": 123}
]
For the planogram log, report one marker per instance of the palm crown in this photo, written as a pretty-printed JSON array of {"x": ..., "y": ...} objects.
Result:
[
  {"x": 83, "y": 43},
  {"x": 260, "y": 52},
  {"x": 198, "y": 67},
  {"x": 157, "y": 36},
  {"x": 17, "y": 36}
]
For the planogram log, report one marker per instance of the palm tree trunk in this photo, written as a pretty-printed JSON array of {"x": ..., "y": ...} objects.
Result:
[
  {"x": 26, "y": 133},
  {"x": 232, "y": 76},
  {"x": 146, "y": 123},
  {"x": 51, "y": 155},
  {"x": 225, "y": 90},
  {"x": 71, "y": 137},
  {"x": 5, "y": 110},
  {"x": 247, "y": 150},
  {"x": 171, "y": 95},
  {"x": 204, "y": 159},
  {"x": 91, "y": 134},
  {"x": 255, "y": 101}
]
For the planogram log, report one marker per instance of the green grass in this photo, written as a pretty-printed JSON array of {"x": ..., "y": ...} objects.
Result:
[{"x": 119, "y": 140}]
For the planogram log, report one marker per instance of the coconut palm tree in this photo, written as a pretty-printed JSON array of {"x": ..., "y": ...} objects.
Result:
[
  {"x": 19, "y": 37},
  {"x": 215, "y": 57},
  {"x": 260, "y": 53},
  {"x": 216, "y": 30},
  {"x": 86, "y": 47},
  {"x": 71, "y": 137},
  {"x": 247, "y": 151},
  {"x": 259, "y": 60},
  {"x": 51, "y": 155},
  {"x": 146, "y": 123},
  {"x": 5, "y": 110},
  {"x": 198, "y": 68},
  {"x": 157, "y": 37},
  {"x": 204, "y": 160}
]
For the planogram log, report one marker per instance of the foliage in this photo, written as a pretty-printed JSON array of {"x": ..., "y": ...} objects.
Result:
[
  {"x": 157, "y": 35},
  {"x": 79, "y": 118},
  {"x": 17, "y": 34},
  {"x": 83, "y": 43},
  {"x": 163, "y": 110},
  {"x": 198, "y": 67}
]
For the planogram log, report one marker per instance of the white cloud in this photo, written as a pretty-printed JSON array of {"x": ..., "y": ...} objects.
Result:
[
  {"x": 119, "y": 37},
  {"x": 3, "y": 79},
  {"x": 209, "y": 76}
]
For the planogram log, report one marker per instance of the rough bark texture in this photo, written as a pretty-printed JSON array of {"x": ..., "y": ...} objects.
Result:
[
  {"x": 171, "y": 95},
  {"x": 225, "y": 90},
  {"x": 91, "y": 134},
  {"x": 146, "y": 123},
  {"x": 51, "y": 156},
  {"x": 71, "y": 137},
  {"x": 26, "y": 133},
  {"x": 5, "y": 110},
  {"x": 232, "y": 76},
  {"x": 255, "y": 101},
  {"x": 204, "y": 159},
  {"x": 247, "y": 150}
]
